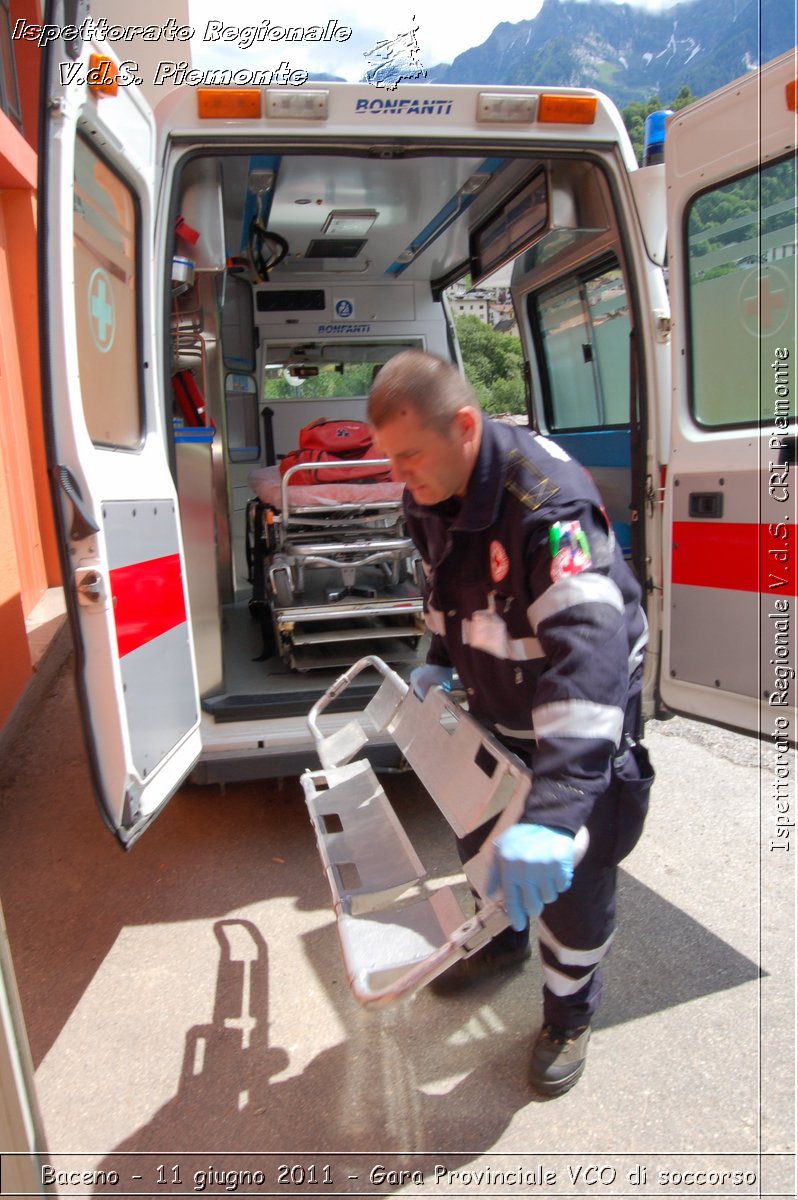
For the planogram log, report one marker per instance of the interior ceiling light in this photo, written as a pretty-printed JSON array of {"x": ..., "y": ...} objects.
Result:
[
  {"x": 474, "y": 184},
  {"x": 344, "y": 222},
  {"x": 341, "y": 247},
  {"x": 446, "y": 216},
  {"x": 261, "y": 181}
]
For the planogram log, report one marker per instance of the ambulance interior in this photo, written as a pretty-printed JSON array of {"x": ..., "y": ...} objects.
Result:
[{"x": 296, "y": 274}]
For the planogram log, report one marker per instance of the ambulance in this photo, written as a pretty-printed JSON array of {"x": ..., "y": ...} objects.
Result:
[{"x": 223, "y": 272}]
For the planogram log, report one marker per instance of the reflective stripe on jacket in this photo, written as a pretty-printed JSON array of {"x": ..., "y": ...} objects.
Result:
[{"x": 530, "y": 600}]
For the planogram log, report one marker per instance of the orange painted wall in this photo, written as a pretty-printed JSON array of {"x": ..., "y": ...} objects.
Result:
[
  {"x": 28, "y": 57},
  {"x": 16, "y": 657},
  {"x": 15, "y": 329},
  {"x": 21, "y": 567},
  {"x": 28, "y": 557},
  {"x": 20, "y": 221}
]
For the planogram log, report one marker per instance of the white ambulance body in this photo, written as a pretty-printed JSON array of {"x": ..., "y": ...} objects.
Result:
[{"x": 331, "y": 221}]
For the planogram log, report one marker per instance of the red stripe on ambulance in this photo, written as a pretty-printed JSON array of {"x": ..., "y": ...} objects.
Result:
[
  {"x": 742, "y": 557},
  {"x": 149, "y": 600}
]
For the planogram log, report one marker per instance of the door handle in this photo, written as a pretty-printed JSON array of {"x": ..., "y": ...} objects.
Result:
[{"x": 706, "y": 504}]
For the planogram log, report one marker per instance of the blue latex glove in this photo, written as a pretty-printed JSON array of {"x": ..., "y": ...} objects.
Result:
[
  {"x": 429, "y": 676},
  {"x": 532, "y": 864}
]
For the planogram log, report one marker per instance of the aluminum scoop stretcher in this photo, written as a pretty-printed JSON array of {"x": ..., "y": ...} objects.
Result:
[{"x": 397, "y": 933}]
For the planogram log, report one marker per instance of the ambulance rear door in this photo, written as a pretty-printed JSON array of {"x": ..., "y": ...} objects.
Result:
[
  {"x": 730, "y": 491},
  {"x": 122, "y": 556}
]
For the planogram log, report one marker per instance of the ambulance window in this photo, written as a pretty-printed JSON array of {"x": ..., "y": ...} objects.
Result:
[
  {"x": 241, "y": 401},
  {"x": 741, "y": 276},
  {"x": 105, "y": 243},
  {"x": 583, "y": 325},
  {"x": 296, "y": 382},
  {"x": 238, "y": 323}
]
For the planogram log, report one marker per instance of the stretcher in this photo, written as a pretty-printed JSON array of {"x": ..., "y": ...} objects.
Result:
[
  {"x": 398, "y": 932},
  {"x": 332, "y": 563}
]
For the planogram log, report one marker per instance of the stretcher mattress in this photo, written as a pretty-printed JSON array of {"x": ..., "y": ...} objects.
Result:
[{"x": 266, "y": 483}]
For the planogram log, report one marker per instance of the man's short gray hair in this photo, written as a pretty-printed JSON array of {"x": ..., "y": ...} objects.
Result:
[{"x": 429, "y": 385}]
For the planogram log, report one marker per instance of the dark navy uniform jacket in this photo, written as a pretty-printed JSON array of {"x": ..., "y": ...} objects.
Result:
[{"x": 529, "y": 599}]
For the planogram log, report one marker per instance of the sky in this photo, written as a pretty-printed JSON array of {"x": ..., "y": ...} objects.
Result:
[{"x": 444, "y": 29}]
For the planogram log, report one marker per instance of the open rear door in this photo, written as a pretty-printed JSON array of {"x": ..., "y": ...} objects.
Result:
[
  {"x": 731, "y": 542},
  {"x": 121, "y": 548}
]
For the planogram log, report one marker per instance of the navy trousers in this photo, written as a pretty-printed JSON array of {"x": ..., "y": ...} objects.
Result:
[{"x": 575, "y": 931}]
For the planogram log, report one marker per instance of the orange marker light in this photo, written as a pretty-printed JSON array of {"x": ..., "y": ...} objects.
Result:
[
  {"x": 102, "y": 75},
  {"x": 567, "y": 110},
  {"x": 792, "y": 95},
  {"x": 227, "y": 102}
]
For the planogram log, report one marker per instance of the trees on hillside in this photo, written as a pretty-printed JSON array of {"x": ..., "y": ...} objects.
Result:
[
  {"x": 494, "y": 365},
  {"x": 634, "y": 116}
]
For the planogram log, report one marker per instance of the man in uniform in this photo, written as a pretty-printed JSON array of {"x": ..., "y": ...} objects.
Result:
[{"x": 529, "y": 600}]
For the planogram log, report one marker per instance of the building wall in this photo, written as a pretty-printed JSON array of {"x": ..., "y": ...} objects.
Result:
[
  {"x": 13, "y": 637},
  {"x": 471, "y": 307}
]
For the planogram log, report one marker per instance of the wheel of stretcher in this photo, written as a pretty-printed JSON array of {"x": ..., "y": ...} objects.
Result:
[{"x": 281, "y": 585}]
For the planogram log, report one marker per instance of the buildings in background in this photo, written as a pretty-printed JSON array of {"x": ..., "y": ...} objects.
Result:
[{"x": 489, "y": 303}]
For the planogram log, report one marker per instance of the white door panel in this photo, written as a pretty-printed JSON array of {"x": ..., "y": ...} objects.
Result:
[
  {"x": 731, "y": 498},
  {"x": 121, "y": 548}
]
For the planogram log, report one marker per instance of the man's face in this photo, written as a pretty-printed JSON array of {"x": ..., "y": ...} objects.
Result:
[{"x": 434, "y": 466}]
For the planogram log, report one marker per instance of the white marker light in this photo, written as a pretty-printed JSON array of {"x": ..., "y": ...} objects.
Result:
[
  {"x": 297, "y": 106},
  {"x": 506, "y": 108}
]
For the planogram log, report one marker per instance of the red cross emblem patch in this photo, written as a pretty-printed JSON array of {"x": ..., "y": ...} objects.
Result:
[{"x": 499, "y": 562}]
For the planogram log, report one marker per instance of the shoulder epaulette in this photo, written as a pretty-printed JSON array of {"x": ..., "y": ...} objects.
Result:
[{"x": 527, "y": 482}]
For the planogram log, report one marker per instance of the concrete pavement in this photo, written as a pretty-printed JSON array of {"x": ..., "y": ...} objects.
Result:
[{"x": 193, "y": 1032}]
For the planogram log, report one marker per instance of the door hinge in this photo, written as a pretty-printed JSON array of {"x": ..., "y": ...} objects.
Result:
[
  {"x": 76, "y": 13},
  {"x": 90, "y": 587},
  {"x": 650, "y": 496},
  {"x": 83, "y": 523}
]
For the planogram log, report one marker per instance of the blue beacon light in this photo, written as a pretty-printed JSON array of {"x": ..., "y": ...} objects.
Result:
[{"x": 654, "y": 140}]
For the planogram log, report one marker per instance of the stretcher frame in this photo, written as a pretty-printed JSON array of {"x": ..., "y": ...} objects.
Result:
[
  {"x": 341, "y": 541},
  {"x": 396, "y": 932}
]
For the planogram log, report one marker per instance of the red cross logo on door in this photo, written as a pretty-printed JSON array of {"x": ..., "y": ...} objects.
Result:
[{"x": 765, "y": 301}]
